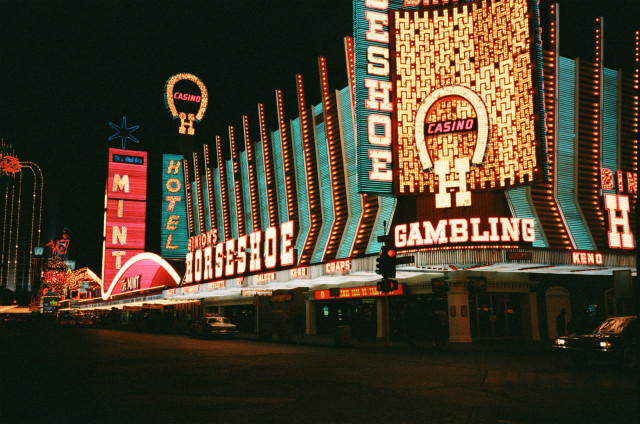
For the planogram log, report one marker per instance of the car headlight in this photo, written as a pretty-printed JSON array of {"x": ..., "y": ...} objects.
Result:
[
  {"x": 560, "y": 342},
  {"x": 605, "y": 345}
]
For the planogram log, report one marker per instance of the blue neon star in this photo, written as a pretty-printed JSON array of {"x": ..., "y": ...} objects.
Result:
[{"x": 124, "y": 133}]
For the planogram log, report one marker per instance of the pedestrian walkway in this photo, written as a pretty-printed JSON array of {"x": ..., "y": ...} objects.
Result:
[{"x": 340, "y": 341}]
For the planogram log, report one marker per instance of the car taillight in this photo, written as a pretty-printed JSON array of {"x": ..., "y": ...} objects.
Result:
[{"x": 560, "y": 342}]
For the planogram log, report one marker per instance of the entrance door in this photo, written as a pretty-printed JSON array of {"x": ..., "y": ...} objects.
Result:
[{"x": 495, "y": 315}]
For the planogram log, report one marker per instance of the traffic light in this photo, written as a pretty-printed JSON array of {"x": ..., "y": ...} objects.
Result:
[
  {"x": 387, "y": 263},
  {"x": 387, "y": 285},
  {"x": 393, "y": 285}
]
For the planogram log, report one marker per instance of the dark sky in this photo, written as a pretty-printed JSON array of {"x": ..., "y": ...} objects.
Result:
[{"x": 68, "y": 68}]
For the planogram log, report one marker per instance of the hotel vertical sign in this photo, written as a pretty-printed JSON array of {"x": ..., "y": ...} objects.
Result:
[{"x": 174, "y": 231}]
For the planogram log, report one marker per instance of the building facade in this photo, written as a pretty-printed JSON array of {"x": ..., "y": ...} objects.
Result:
[{"x": 507, "y": 172}]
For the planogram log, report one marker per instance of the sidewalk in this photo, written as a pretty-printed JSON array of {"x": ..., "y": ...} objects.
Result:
[{"x": 477, "y": 346}]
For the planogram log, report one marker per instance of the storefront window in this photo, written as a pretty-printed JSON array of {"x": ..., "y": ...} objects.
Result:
[{"x": 495, "y": 315}]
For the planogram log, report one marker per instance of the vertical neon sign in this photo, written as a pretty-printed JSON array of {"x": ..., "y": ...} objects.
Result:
[
  {"x": 373, "y": 90},
  {"x": 125, "y": 210},
  {"x": 174, "y": 227}
]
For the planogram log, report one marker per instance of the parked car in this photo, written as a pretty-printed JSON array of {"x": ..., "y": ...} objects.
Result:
[
  {"x": 213, "y": 326},
  {"x": 614, "y": 339},
  {"x": 74, "y": 317}
]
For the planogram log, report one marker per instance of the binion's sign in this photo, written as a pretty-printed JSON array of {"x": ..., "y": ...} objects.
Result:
[{"x": 259, "y": 252}]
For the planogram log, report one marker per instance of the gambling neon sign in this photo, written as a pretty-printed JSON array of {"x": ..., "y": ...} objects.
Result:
[{"x": 462, "y": 230}]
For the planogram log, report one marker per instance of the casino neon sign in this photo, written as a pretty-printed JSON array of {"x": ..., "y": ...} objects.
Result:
[{"x": 187, "y": 118}]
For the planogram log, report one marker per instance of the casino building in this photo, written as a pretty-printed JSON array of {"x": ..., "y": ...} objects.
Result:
[{"x": 507, "y": 173}]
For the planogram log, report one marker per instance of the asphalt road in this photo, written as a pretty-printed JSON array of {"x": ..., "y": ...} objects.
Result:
[{"x": 108, "y": 376}]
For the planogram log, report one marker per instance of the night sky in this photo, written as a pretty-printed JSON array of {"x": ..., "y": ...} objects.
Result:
[{"x": 68, "y": 68}]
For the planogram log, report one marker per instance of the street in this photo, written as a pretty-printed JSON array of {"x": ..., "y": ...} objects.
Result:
[{"x": 107, "y": 376}]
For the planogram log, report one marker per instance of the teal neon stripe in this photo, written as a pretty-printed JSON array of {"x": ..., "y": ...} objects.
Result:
[
  {"x": 386, "y": 211},
  {"x": 610, "y": 121},
  {"x": 231, "y": 195},
  {"x": 206, "y": 199},
  {"x": 262, "y": 185},
  {"x": 246, "y": 192},
  {"x": 325, "y": 187},
  {"x": 218, "y": 195},
  {"x": 351, "y": 169},
  {"x": 566, "y": 180},
  {"x": 303, "y": 193},
  {"x": 523, "y": 208},
  {"x": 194, "y": 207},
  {"x": 280, "y": 184}
]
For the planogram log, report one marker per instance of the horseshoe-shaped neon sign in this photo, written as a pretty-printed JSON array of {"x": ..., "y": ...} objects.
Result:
[
  {"x": 436, "y": 97},
  {"x": 186, "y": 121}
]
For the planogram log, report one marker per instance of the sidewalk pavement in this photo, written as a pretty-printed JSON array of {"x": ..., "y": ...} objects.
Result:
[{"x": 400, "y": 344}]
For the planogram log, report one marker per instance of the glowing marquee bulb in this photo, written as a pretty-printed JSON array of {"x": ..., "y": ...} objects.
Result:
[{"x": 186, "y": 119}]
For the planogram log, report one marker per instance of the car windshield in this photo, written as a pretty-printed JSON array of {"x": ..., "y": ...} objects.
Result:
[
  {"x": 614, "y": 325},
  {"x": 219, "y": 319}
]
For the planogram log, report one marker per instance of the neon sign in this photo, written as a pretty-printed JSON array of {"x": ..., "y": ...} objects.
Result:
[
  {"x": 462, "y": 230},
  {"x": 341, "y": 266},
  {"x": 367, "y": 291},
  {"x": 485, "y": 75},
  {"x": 260, "y": 251},
  {"x": 9, "y": 164},
  {"x": 586, "y": 258},
  {"x": 618, "y": 207},
  {"x": 187, "y": 97},
  {"x": 124, "y": 133},
  {"x": 125, "y": 214},
  {"x": 131, "y": 283},
  {"x": 619, "y": 235},
  {"x": 622, "y": 182},
  {"x": 152, "y": 270},
  {"x": 187, "y": 118},
  {"x": 174, "y": 231},
  {"x": 373, "y": 94}
]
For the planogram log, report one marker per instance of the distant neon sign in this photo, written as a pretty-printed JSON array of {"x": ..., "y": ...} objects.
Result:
[
  {"x": 340, "y": 266},
  {"x": 586, "y": 258},
  {"x": 187, "y": 119},
  {"x": 9, "y": 164},
  {"x": 187, "y": 97},
  {"x": 124, "y": 133},
  {"x": 618, "y": 208},
  {"x": 346, "y": 293}
]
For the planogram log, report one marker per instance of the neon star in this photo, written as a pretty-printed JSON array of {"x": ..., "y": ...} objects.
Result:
[{"x": 124, "y": 133}]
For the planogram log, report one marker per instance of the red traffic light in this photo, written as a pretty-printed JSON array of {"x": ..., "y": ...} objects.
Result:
[{"x": 391, "y": 253}]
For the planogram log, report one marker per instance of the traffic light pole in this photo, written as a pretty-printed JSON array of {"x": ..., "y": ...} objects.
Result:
[{"x": 387, "y": 337}]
